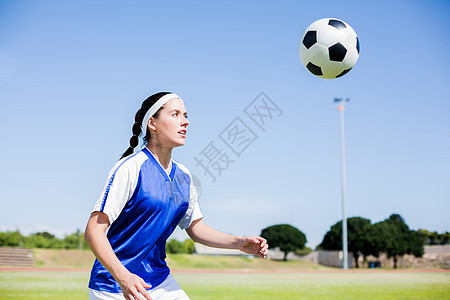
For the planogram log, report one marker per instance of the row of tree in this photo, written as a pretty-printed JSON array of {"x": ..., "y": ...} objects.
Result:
[
  {"x": 434, "y": 238},
  {"x": 391, "y": 237},
  {"x": 43, "y": 240},
  {"x": 72, "y": 241}
]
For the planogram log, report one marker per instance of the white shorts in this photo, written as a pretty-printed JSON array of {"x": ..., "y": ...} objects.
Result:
[{"x": 169, "y": 289}]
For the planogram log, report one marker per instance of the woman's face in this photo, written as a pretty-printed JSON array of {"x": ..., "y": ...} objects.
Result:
[{"x": 169, "y": 129}]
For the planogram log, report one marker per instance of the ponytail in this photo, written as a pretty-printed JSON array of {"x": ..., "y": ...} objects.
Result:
[{"x": 134, "y": 140}]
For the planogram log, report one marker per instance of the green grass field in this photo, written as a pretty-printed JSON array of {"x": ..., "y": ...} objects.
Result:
[
  {"x": 317, "y": 286},
  {"x": 215, "y": 277},
  {"x": 280, "y": 285}
]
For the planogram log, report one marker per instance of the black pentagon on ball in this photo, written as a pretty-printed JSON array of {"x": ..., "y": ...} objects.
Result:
[
  {"x": 310, "y": 39},
  {"x": 357, "y": 44},
  {"x": 343, "y": 73},
  {"x": 316, "y": 70},
  {"x": 337, "y": 52},
  {"x": 337, "y": 24}
]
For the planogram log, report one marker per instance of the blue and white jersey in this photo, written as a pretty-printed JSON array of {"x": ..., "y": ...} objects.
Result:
[{"x": 144, "y": 205}]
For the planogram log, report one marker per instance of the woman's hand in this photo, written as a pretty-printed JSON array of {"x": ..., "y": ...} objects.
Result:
[
  {"x": 134, "y": 287},
  {"x": 254, "y": 245},
  {"x": 199, "y": 232}
]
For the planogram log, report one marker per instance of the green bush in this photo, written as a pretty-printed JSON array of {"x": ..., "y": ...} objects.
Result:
[
  {"x": 174, "y": 246},
  {"x": 305, "y": 250},
  {"x": 11, "y": 239},
  {"x": 42, "y": 240}
]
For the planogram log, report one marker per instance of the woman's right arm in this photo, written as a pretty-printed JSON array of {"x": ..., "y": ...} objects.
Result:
[{"x": 95, "y": 236}]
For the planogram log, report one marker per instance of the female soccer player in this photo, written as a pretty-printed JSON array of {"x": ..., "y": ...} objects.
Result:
[{"x": 146, "y": 195}]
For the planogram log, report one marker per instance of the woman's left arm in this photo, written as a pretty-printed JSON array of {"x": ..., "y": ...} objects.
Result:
[{"x": 203, "y": 234}]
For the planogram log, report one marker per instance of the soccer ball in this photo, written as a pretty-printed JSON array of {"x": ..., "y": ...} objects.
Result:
[{"x": 329, "y": 48}]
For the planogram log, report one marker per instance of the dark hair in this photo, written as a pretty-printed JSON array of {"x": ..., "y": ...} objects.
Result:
[{"x": 140, "y": 114}]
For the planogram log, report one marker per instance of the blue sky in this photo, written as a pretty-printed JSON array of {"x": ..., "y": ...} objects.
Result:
[{"x": 73, "y": 74}]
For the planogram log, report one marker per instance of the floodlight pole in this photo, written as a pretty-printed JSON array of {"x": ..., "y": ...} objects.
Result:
[{"x": 343, "y": 182}]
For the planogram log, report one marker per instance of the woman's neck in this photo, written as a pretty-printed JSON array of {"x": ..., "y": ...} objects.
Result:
[{"x": 162, "y": 155}]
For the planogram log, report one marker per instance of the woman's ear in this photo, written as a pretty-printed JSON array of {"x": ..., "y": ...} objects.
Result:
[{"x": 152, "y": 124}]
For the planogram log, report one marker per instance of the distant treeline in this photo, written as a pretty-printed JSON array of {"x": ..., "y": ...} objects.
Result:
[
  {"x": 72, "y": 241},
  {"x": 362, "y": 235},
  {"x": 434, "y": 238},
  {"x": 43, "y": 240}
]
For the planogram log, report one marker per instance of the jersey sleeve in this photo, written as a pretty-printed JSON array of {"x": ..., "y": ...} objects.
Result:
[
  {"x": 118, "y": 189},
  {"x": 193, "y": 212}
]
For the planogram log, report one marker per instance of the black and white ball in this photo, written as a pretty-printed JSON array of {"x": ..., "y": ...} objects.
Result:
[{"x": 329, "y": 48}]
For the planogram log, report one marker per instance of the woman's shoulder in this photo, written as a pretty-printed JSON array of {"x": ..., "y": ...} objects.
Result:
[{"x": 131, "y": 162}]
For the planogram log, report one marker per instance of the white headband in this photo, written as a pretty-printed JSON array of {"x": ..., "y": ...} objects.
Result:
[{"x": 155, "y": 107}]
